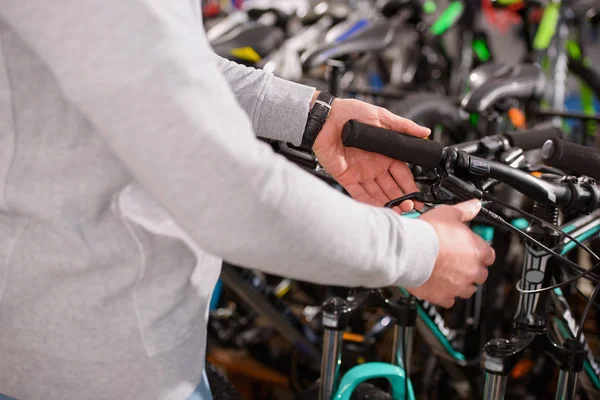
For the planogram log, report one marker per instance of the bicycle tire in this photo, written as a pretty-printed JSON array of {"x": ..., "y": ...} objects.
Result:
[
  {"x": 369, "y": 391},
  {"x": 430, "y": 109},
  {"x": 220, "y": 386}
]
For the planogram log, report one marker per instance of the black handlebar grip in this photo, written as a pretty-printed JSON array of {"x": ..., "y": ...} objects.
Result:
[
  {"x": 412, "y": 150},
  {"x": 573, "y": 157},
  {"x": 533, "y": 138}
]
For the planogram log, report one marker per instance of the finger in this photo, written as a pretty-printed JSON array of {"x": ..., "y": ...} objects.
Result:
[
  {"x": 375, "y": 191},
  {"x": 488, "y": 255},
  {"x": 469, "y": 292},
  {"x": 468, "y": 209},
  {"x": 358, "y": 193},
  {"x": 404, "y": 179},
  {"x": 391, "y": 189},
  {"x": 485, "y": 252},
  {"x": 389, "y": 120},
  {"x": 480, "y": 276}
]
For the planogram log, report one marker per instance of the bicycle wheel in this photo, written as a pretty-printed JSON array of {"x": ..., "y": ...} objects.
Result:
[{"x": 369, "y": 391}]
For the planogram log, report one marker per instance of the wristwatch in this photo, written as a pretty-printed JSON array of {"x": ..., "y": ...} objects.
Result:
[{"x": 316, "y": 118}]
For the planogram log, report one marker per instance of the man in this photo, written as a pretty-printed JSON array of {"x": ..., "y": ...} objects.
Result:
[{"x": 98, "y": 96}]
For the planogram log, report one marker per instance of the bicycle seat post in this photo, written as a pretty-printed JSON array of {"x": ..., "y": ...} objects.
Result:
[{"x": 335, "y": 316}]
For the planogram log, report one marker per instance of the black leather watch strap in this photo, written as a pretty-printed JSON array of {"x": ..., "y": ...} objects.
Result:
[{"x": 316, "y": 118}]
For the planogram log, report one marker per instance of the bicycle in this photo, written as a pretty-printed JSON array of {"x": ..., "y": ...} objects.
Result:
[
  {"x": 420, "y": 62},
  {"x": 574, "y": 196}
]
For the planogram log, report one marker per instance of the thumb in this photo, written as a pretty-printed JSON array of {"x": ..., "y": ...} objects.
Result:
[{"x": 468, "y": 209}]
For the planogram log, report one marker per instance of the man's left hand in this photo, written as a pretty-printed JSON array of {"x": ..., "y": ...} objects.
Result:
[{"x": 368, "y": 177}]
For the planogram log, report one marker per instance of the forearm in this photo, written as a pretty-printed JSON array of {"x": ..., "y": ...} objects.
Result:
[
  {"x": 277, "y": 108},
  {"x": 183, "y": 136}
]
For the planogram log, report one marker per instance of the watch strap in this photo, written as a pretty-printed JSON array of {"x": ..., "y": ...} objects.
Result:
[{"x": 317, "y": 117}]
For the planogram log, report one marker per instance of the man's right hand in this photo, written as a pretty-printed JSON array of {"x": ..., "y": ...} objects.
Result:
[{"x": 463, "y": 256}]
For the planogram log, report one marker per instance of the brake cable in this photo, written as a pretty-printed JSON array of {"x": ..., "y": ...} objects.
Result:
[
  {"x": 583, "y": 273},
  {"x": 542, "y": 222}
]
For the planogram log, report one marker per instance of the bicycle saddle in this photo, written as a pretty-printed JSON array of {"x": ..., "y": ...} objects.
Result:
[
  {"x": 249, "y": 43},
  {"x": 487, "y": 71},
  {"x": 499, "y": 82},
  {"x": 360, "y": 38}
]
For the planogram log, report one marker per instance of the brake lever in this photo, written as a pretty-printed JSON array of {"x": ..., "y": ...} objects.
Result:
[{"x": 434, "y": 197}]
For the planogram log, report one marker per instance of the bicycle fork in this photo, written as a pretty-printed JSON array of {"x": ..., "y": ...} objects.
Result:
[
  {"x": 336, "y": 315},
  {"x": 335, "y": 321}
]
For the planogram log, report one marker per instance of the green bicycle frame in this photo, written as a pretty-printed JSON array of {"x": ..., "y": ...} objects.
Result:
[
  {"x": 447, "y": 18},
  {"x": 547, "y": 27}
]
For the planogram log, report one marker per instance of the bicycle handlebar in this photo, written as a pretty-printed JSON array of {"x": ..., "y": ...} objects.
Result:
[
  {"x": 568, "y": 194},
  {"x": 525, "y": 140},
  {"x": 427, "y": 153},
  {"x": 569, "y": 156},
  {"x": 412, "y": 150},
  {"x": 533, "y": 138}
]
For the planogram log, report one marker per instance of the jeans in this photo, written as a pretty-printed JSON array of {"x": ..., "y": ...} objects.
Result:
[{"x": 202, "y": 391}]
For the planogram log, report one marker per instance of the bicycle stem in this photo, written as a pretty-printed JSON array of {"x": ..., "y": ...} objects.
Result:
[{"x": 537, "y": 273}]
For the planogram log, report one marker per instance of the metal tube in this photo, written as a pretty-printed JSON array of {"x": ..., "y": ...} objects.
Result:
[
  {"x": 330, "y": 363},
  {"x": 397, "y": 346},
  {"x": 403, "y": 339},
  {"x": 409, "y": 337},
  {"x": 566, "y": 114},
  {"x": 562, "y": 387},
  {"x": 495, "y": 387}
]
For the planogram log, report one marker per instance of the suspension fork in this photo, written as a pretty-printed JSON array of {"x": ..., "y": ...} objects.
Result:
[{"x": 335, "y": 317}]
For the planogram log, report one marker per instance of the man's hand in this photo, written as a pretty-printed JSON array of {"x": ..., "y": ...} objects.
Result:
[
  {"x": 368, "y": 177},
  {"x": 463, "y": 256}
]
